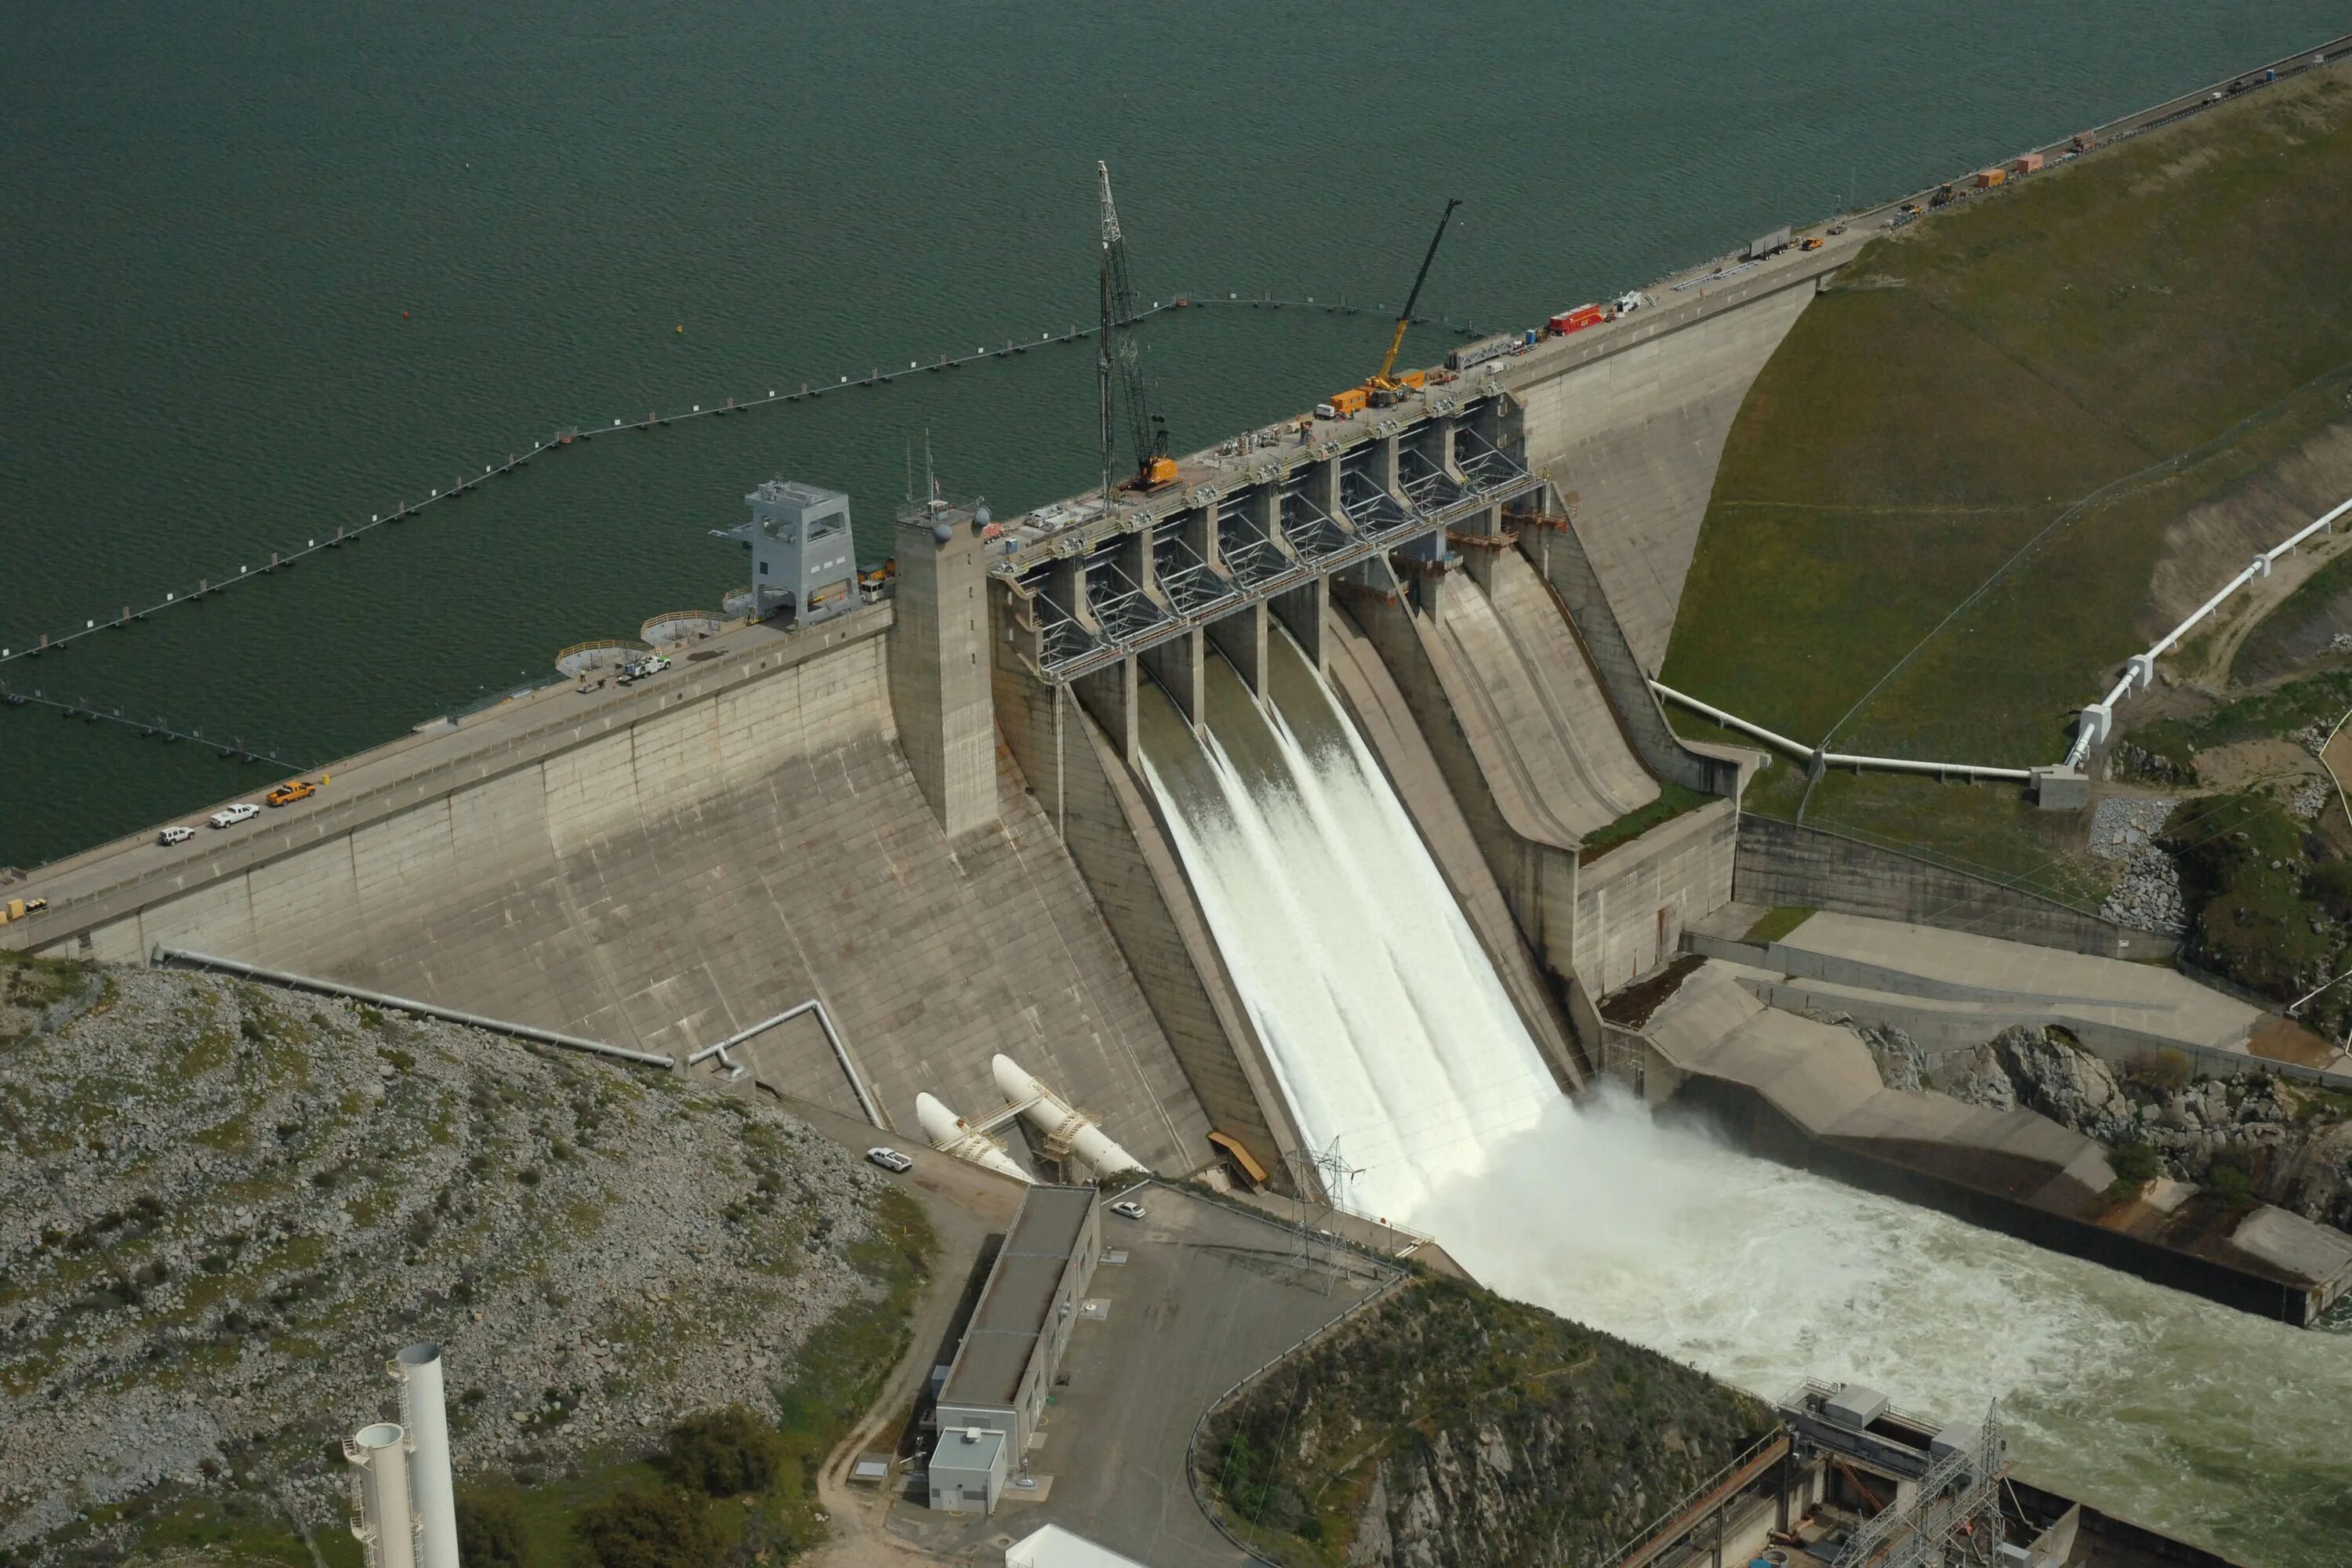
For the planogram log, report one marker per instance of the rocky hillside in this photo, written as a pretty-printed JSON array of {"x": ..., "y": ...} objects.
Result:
[
  {"x": 223, "y": 1207},
  {"x": 2255, "y": 1137},
  {"x": 1447, "y": 1425}
]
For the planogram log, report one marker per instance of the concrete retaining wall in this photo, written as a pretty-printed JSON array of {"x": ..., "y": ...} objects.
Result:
[
  {"x": 1537, "y": 874},
  {"x": 1757, "y": 1125},
  {"x": 1632, "y": 902},
  {"x": 1384, "y": 718},
  {"x": 1790, "y": 863},
  {"x": 1560, "y": 561}
]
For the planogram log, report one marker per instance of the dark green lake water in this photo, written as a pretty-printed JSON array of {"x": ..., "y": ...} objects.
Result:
[{"x": 269, "y": 268}]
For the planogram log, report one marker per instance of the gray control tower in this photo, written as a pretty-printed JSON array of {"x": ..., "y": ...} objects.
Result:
[
  {"x": 939, "y": 668},
  {"x": 802, "y": 558}
]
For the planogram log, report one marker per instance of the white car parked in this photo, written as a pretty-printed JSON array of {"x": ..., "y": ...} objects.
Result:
[
  {"x": 175, "y": 834},
  {"x": 1128, "y": 1209},
  {"x": 890, "y": 1159},
  {"x": 230, "y": 816}
]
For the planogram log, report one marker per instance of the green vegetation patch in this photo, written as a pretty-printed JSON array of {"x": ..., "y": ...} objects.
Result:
[
  {"x": 1941, "y": 508},
  {"x": 1397, "y": 1416},
  {"x": 1776, "y": 924},
  {"x": 2316, "y": 700},
  {"x": 1673, "y": 801},
  {"x": 2259, "y": 884},
  {"x": 2283, "y": 640}
]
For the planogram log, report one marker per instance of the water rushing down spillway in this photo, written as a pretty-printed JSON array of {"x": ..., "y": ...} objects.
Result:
[
  {"x": 1391, "y": 1038},
  {"x": 1389, "y": 1031}
]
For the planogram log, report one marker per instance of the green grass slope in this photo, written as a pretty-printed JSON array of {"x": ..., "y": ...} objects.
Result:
[{"x": 1939, "y": 514}]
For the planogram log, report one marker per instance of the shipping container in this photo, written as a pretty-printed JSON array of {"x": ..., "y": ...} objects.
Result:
[
  {"x": 1574, "y": 320},
  {"x": 1987, "y": 178},
  {"x": 2025, "y": 164},
  {"x": 1349, "y": 402},
  {"x": 1771, "y": 244}
]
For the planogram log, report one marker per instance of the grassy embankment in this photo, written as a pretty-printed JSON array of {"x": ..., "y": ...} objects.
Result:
[
  {"x": 1944, "y": 500},
  {"x": 1451, "y": 1425}
]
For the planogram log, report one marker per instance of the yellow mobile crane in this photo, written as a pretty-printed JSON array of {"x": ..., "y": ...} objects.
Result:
[{"x": 1381, "y": 390}]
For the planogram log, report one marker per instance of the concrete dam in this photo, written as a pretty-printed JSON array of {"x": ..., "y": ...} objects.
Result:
[{"x": 1318, "y": 798}]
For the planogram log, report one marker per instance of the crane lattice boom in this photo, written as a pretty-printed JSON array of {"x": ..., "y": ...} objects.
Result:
[{"x": 1119, "y": 362}]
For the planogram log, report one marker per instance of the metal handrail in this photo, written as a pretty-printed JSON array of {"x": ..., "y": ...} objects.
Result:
[
  {"x": 162, "y": 957},
  {"x": 1355, "y": 545},
  {"x": 1649, "y": 1534}
]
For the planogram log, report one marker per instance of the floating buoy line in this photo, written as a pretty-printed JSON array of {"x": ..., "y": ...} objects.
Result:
[
  {"x": 465, "y": 481},
  {"x": 234, "y": 749}
]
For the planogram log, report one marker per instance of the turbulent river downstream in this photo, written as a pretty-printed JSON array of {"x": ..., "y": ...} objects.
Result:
[{"x": 1392, "y": 1035}]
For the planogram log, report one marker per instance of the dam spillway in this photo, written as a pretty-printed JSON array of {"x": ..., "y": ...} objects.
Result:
[
  {"x": 1388, "y": 1030},
  {"x": 1391, "y": 1038}
]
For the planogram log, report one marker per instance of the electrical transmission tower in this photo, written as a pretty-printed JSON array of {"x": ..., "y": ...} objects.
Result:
[{"x": 1325, "y": 1182}]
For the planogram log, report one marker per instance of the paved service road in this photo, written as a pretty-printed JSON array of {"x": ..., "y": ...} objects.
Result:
[{"x": 1207, "y": 1295}]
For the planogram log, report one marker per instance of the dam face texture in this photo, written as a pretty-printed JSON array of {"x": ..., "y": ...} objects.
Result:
[{"x": 663, "y": 869}]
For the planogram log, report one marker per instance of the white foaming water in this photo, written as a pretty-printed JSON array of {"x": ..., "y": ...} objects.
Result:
[
  {"x": 1390, "y": 1033},
  {"x": 1386, "y": 1025}
]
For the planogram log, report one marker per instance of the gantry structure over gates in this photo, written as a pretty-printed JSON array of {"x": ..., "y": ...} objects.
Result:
[{"x": 1261, "y": 523}]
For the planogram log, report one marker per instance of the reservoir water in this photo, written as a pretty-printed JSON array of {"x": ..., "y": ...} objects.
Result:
[
  {"x": 269, "y": 269},
  {"x": 1391, "y": 1037}
]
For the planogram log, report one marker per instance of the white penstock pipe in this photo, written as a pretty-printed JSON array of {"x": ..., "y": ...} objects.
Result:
[
  {"x": 425, "y": 1411},
  {"x": 1064, "y": 1126},
  {"x": 952, "y": 1134},
  {"x": 385, "y": 1526}
]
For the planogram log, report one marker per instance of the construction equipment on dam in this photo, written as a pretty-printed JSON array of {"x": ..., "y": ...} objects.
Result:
[
  {"x": 1147, "y": 431},
  {"x": 1381, "y": 390}
]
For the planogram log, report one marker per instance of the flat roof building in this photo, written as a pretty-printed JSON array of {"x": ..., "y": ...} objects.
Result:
[{"x": 1003, "y": 1369}]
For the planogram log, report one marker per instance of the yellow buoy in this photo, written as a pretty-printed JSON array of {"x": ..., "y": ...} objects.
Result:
[{"x": 681, "y": 329}]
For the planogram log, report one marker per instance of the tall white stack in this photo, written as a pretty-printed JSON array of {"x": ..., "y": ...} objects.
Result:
[
  {"x": 425, "y": 1411},
  {"x": 385, "y": 1526}
]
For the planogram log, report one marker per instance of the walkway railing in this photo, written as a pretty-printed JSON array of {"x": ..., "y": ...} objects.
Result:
[
  {"x": 1502, "y": 479},
  {"x": 1818, "y": 758},
  {"x": 2139, "y": 670}
]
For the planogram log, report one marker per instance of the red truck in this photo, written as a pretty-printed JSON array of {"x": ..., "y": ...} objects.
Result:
[{"x": 1575, "y": 320}]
